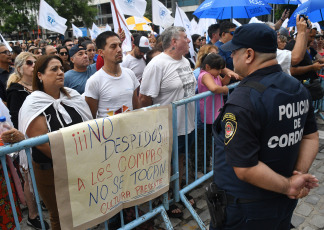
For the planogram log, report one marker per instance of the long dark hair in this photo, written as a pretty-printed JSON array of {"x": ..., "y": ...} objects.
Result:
[{"x": 40, "y": 67}]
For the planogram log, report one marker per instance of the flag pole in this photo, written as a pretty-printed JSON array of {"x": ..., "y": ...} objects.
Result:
[{"x": 117, "y": 12}]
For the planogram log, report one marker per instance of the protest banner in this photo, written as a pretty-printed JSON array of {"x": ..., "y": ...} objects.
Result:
[{"x": 105, "y": 165}]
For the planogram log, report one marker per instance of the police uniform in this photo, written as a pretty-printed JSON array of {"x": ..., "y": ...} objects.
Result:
[{"x": 264, "y": 120}]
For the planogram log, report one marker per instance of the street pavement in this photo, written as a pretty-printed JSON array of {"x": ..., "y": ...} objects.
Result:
[{"x": 308, "y": 215}]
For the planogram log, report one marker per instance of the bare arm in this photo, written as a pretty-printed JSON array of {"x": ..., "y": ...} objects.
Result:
[
  {"x": 264, "y": 177},
  {"x": 307, "y": 152},
  {"x": 208, "y": 81},
  {"x": 93, "y": 104},
  {"x": 36, "y": 128},
  {"x": 304, "y": 69},
  {"x": 297, "y": 54},
  {"x": 145, "y": 100},
  {"x": 135, "y": 99},
  {"x": 284, "y": 16},
  {"x": 231, "y": 74}
]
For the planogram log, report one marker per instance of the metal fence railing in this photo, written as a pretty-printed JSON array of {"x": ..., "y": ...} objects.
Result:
[{"x": 178, "y": 193}]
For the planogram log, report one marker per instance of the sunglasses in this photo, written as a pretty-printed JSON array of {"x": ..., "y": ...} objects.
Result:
[
  {"x": 63, "y": 53},
  {"x": 231, "y": 33},
  {"x": 7, "y": 52},
  {"x": 30, "y": 62}
]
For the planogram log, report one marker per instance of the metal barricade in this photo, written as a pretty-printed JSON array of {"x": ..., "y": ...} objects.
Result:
[
  {"x": 180, "y": 193},
  {"x": 27, "y": 144}
]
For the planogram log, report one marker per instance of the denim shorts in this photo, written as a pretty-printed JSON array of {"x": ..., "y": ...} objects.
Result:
[{"x": 182, "y": 142}]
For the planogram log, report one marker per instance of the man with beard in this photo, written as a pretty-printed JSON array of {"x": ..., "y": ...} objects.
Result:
[
  {"x": 113, "y": 88},
  {"x": 135, "y": 59},
  {"x": 77, "y": 77}
]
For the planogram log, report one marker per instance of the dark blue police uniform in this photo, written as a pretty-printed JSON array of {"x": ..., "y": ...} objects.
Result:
[{"x": 262, "y": 121}]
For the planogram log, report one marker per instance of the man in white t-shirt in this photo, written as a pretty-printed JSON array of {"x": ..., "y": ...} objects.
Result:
[
  {"x": 135, "y": 59},
  {"x": 112, "y": 89},
  {"x": 168, "y": 78}
]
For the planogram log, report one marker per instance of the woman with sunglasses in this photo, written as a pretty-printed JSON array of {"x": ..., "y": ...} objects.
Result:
[
  {"x": 196, "y": 40},
  {"x": 64, "y": 55},
  {"x": 19, "y": 86}
]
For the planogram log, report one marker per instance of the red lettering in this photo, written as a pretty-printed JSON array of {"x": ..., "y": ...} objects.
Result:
[
  {"x": 100, "y": 173},
  {"x": 129, "y": 160},
  {"x": 105, "y": 208},
  {"x": 119, "y": 164},
  {"x": 92, "y": 179},
  {"x": 80, "y": 185}
]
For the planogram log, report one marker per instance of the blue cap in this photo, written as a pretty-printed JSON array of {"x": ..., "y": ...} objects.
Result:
[
  {"x": 257, "y": 36},
  {"x": 75, "y": 49}
]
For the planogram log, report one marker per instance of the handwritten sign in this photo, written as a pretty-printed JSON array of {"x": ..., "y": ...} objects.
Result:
[{"x": 104, "y": 165}]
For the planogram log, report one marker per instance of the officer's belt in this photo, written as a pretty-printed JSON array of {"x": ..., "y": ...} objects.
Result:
[{"x": 233, "y": 200}]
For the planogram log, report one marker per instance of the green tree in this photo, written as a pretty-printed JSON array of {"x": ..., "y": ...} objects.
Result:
[{"x": 21, "y": 15}]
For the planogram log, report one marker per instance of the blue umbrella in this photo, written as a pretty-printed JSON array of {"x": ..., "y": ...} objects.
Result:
[
  {"x": 289, "y": 2},
  {"x": 226, "y": 9},
  {"x": 314, "y": 9}
]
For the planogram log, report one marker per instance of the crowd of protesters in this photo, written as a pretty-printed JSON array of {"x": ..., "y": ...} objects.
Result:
[{"x": 96, "y": 79}]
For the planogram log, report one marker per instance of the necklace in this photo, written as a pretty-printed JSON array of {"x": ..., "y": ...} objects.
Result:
[
  {"x": 111, "y": 73},
  {"x": 26, "y": 83}
]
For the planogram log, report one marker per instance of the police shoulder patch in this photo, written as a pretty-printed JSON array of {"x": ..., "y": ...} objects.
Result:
[{"x": 230, "y": 127}]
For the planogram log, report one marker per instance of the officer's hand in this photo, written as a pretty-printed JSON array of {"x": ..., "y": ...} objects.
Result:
[
  {"x": 301, "y": 24},
  {"x": 298, "y": 182},
  {"x": 317, "y": 66}
]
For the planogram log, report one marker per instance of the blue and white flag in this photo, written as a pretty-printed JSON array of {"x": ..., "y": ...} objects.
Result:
[
  {"x": 76, "y": 31},
  {"x": 133, "y": 7},
  {"x": 49, "y": 19},
  {"x": 108, "y": 28},
  {"x": 161, "y": 15},
  {"x": 95, "y": 30}
]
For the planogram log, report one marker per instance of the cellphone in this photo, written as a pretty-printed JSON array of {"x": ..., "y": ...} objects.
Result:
[{"x": 305, "y": 18}]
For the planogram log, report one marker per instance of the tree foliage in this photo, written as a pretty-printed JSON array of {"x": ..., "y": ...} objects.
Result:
[{"x": 21, "y": 15}]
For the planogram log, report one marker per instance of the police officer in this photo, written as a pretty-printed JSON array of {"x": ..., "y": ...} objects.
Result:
[{"x": 266, "y": 139}]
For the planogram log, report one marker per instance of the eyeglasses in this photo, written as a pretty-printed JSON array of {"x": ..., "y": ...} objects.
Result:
[
  {"x": 63, "y": 53},
  {"x": 70, "y": 45},
  {"x": 7, "y": 52},
  {"x": 231, "y": 32},
  {"x": 30, "y": 62}
]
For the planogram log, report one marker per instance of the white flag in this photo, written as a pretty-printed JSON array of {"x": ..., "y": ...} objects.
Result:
[
  {"x": 91, "y": 33},
  {"x": 95, "y": 30},
  {"x": 255, "y": 20},
  {"x": 127, "y": 44},
  {"x": 108, "y": 28},
  {"x": 161, "y": 15},
  {"x": 181, "y": 19},
  {"x": 49, "y": 19},
  {"x": 161, "y": 29},
  {"x": 76, "y": 31},
  {"x": 236, "y": 23},
  {"x": 6, "y": 43},
  {"x": 203, "y": 25},
  {"x": 132, "y": 7},
  {"x": 194, "y": 26}
]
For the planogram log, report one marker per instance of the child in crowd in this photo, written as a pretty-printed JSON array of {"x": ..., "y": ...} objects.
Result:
[{"x": 209, "y": 79}]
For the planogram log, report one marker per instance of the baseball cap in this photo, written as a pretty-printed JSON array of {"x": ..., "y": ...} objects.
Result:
[
  {"x": 259, "y": 37},
  {"x": 142, "y": 43},
  {"x": 76, "y": 49}
]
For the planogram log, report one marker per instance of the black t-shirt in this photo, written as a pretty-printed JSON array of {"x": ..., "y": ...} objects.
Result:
[
  {"x": 305, "y": 62},
  {"x": 261, "y": 127},
  {"x": 4, "y": 75},
  {"x": 16, "y": 95},
  {"x": 54, "y": 123}
]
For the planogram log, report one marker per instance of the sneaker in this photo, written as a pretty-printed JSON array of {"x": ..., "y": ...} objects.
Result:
[{"x": 36, "y": 223}]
